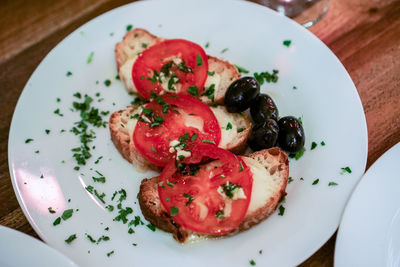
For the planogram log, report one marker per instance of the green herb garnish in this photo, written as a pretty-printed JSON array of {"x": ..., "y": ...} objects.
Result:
[
  {"x": 189, "y": 197},
  {"x": 287, "y": 43},
  {"x": 345, "y": 169},
  {"x": 208, "y": 141},
  {"x": 67, "y": 214},
  {"x": 27, "y": 141},
  {"x": 199, "y": 60},
  {"x": 241, "y": 69},
  {"x": 281, "y": 210},
  {"x": 332, "y": 184},
  {"x": 70, "y": 238},
  {"x": 315, "y": 182},
  {"x": 51, "y": 210},
  {"x": 173, "y": 211},
  {"x": 90, "y": 57},
  {"x": 228, "y": 126},
  {"x": 313, "y": 145},
  {"x": 129, "y": 27},
  {"x": 193, "y": 90}
]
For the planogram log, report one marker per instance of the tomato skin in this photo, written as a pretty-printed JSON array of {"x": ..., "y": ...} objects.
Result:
[
  {"x": 155, "y": 57},
  {"x": 154, "y": 142},
  {"x": 200, "y": 214}
]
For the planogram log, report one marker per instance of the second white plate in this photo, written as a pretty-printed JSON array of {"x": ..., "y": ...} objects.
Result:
[{"x": 369, "y": 234}]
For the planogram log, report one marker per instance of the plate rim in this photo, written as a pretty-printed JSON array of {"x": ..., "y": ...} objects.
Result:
[{"x": 299, "y": 28}]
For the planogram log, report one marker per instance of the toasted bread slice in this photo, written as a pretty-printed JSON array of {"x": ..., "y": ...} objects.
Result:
[
  {"x": 270, "y": 170},
  {"x": 122, "y": 125},
  {"x": 221, "y": 73}
]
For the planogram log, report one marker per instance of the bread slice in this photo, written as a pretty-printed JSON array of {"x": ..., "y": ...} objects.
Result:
[
  {"x": 268, "y": 189},
  {"x": 137, "y": 40},
  {"x": 122, "y": 125}
]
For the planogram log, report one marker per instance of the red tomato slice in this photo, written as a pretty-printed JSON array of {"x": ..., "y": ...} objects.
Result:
[
  {"x": 201, "y": 198},
  {"x": 172, "y": 65},
  {"x": 170, "y": 125}
]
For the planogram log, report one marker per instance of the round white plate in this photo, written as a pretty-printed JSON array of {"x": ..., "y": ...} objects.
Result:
[
  {"x": 369, "y": 233},
  {"x": 18, "y": 249},
  {"x": 245, "y": 34}
]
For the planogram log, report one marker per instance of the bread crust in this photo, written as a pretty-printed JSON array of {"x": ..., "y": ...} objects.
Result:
[
  {"x": 131, "y": 46},
  {"x": 273, "y": 159},
  {"x": 122, "y": 141}
]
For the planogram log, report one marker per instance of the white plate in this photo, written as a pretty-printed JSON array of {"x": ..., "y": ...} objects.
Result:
[
  {"x": 325, "y": 98},
  {"x": 18, "y": 249},
  {"x": 369, "y": 233}
]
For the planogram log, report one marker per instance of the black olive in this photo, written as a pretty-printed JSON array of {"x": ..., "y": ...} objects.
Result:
[
  {"x": 241, "y": 93},
  {"x": 264, "y": 135},
  {"x": 263, "y": 108},
  {"x": 291, "y": 134}
]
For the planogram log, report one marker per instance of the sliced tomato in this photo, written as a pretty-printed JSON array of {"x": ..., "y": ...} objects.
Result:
[
  {"x": 173, "y": 123},
  {"x": 202, "y": 198},
  {"x": 173, "y": 65}
]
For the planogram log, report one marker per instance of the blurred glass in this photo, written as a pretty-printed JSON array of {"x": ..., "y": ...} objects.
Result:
[{"x": 305, "y": 12}]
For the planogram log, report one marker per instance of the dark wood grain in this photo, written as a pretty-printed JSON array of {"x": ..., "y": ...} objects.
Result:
[{"x": 364, "y": 34}]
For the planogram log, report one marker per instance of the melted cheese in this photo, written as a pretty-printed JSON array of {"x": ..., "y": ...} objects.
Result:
[
  {"x": 264, "y": 185},
  {"x": 224, "y": 117}
]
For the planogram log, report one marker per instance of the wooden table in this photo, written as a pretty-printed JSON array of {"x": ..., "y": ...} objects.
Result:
[{"x": 364, "y": 34}]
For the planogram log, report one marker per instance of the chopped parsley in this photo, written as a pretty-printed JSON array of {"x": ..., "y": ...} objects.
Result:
[
  {"x": 151, "y": 227},
  {"x": 110, "y": 253},
  {"x": 322, "y": 143},
  {"x": 230, "y": 189},
  {"x": 194, "y": 137},
  {"x": 208, "y": 141},
  {"x": 290, "y": 179},
  {"x": 173, "y": 211},
  {"x": 67, "y": 214},
  {"x": 89, "y": 116},
  {"x": 315, "y": 182},
  {"x": 107, "y": 82},
  {"x": 51, "y": 210},
  {"x": 57, "y": 111},
  {"x": 101, "y": 179},
  {"x": 345, "y": 169},
  {"x": 241, "y": 69},
  {"x": 266, "y": 76},
  {"x": 27, "y": 141},
  {"x": 69, "y": 73},
  {"x": 57, "y": 221},
  {"x": 252, "y": 262},
  {"x": 207, "y": 45},
  {"x": 209, "y": 92},
  {"x": 199, "y": 60},
  {"x": 228, "y": 126},
  {"x": 220, "y": 215},
  {"x": 153, "y": 149},
  {"x": 287, "y": 43},
  {"x": 90, "y": 58},
  {"x": 144, "y": 45},
  {"x": 210, "y": 73},
  {"x": 313, "y": 145},
  {"x": 281, "y": 210},
  {"x": 224, "y": 50},
  {"x": 332, "y": 184},
  {"x": 70, "y": 238},
  {"x": 298, "y": 155},
  {"x": 47, "y": 131},
  {"x": 129, "y": 27},
  {"x": 193, "y": 90},
  {"x": 294, "y": 87},
  {"x": 189, "y": 197},
  {"x": 239, "y": 130}
]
